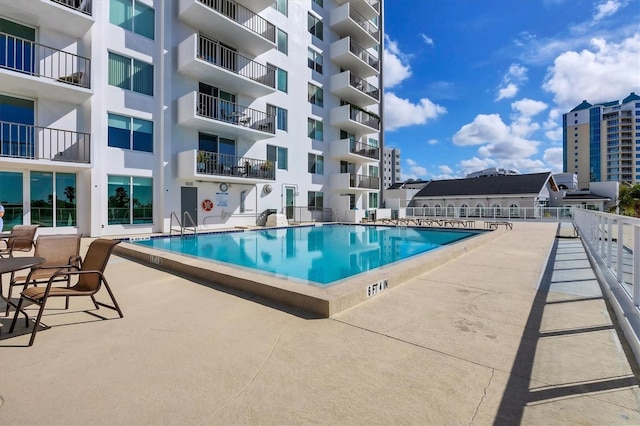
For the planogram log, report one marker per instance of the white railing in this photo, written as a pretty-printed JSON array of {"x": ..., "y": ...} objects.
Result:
[
  {"x": 614, "y": 243},
  {"x": 528, "y": 213}
]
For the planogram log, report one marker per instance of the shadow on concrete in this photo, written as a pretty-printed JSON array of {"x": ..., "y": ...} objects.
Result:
[{"x": 519, "y": 391}]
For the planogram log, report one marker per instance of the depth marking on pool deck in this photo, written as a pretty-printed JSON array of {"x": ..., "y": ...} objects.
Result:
[{"x": 375, "y": 288}]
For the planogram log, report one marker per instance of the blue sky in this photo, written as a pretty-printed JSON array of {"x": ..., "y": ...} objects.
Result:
[{"x": 472, "y": 84}]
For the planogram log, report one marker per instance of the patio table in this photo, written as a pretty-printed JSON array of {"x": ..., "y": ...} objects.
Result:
[{"x": 13, "y": 264}]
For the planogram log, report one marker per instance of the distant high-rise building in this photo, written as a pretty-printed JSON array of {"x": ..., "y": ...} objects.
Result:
[
  {"x": 391, "y": 171},
  {"x": 601, "y": 142}
]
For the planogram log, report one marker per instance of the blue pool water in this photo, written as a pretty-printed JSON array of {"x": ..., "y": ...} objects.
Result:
[{"x": 317, "y": 254}]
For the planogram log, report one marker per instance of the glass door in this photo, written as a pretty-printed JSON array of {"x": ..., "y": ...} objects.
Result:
[{"x": 290, "y": 196}]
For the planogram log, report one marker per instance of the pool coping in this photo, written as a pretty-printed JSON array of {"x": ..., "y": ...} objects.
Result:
[{"x": 322, "y": 301}]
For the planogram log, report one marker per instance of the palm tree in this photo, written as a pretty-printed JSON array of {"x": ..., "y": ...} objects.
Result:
[
  {"x": 70, "y": 193},
  {"x": 629, "y": 200}
]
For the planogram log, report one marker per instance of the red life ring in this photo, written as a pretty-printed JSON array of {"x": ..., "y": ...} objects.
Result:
[{"x": 207, "y": 205}]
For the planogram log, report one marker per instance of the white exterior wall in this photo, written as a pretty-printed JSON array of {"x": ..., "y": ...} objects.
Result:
[{"x": 172, "y": 139}]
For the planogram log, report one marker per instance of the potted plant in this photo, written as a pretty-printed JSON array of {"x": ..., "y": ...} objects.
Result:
[
  {"x": 201, "y": 160},
  {"x": 266, "y": 167}
]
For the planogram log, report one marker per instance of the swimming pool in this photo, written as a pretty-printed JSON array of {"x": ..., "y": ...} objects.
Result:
[{"x": 319, "y": 255}]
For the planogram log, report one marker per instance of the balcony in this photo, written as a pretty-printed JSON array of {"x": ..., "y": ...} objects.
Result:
[
  {"x": 348, "y": 54},
  {"x": 353, "y": 120},
  {"x": 354, "y": 151},
  {"x": 40, "y": 71},
  {"x": 205, "y": 165},
  {"x": 354, "y": 182},
  {"x": 27, "y": 142},
  {"x": 353, "y": 89},
  {"x": 204, "y": 112},
  {"x": 347, "y": 21},
  {"x": 207, "y": 61},
  {"x": 71, "y": 17},
  {"x": 368, "y": 8},
  {"x": 230, "y": 23}
]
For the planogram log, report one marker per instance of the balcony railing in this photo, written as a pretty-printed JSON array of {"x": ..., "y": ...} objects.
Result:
[
  {"x": 43, "y": 143},
  {"x": 366, "y": 24},
  {"x": 216, "y": 54},
  {"x": 83, "y": 6},
  {"x": 361, "y": 181},
  {"x": 364, "y": 86},
  {"x": 375, "y": 4},
  {"x": 364, "y": 55},
  {"x": 243, "y": 16},
  {"x": 364, "y": 117},
  {"x": 28, "y": 57},
  {"x": 364, "y": 149},
  {"x": 211, "y": 163},
  {"x": 229, "y": 112}
]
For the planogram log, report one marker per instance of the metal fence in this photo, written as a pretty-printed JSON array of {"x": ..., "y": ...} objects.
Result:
[
  {"x": 308, "y": 214},
  {"x": 614, "y": 243},
  {"x": 528, "y": 213}
]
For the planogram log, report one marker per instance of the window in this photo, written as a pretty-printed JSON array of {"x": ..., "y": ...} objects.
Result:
[
  {"x": 283, "y": 41},
  {"x": 133, "y": 16},
  {"x": 281, "y": 116},
  {"x": 130, "y": 200},
  {"x": 316, "y": 95},
  {"x": 316, "y": 164},
  {"x": 315, "y": 129},
  {"x": 47, "y": 210},
  {"x": 281, "y": 78},
  {"x": 130, "y": 133},
  {"x": 314, "y": 24},
  {"x": 315, "y": 200},
  {"x": 318, "y": 2},
  {"x": 130, "y": 74},
  {"x": 12, "y": 199},
  {"x": 278, "y": 155},
  {"x": 315, "y": 61},
  {"x": 373, "y": 200},
  {"x": 281, "y": 6}
]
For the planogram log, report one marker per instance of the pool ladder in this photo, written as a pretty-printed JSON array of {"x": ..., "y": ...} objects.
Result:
[{"x": 185, "y": 216}]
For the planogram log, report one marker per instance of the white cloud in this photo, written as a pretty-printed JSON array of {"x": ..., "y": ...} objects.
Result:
[
  {"x": 507, "y": 92},
  {"x": 400, "y": 112},
  {"x": 528, "y": 107},
  {"x": 445, "y": 169},
  {"x": 396, "y": 69},
  {"x": 553, "y": 158},
  {"x": 483, "y": 129},
  {"x": 607, "y": 71},
  {"x": 554, "y": 135},
  {"x": 432, "y": 141},
  {"x": 606, "y": 9},
  {"x": 415, "y": 171},
  {"x": 516, "y": 75},
  {"x": 428, "y": 40}
]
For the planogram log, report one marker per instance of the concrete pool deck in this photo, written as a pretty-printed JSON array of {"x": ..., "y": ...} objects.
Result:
[{"x": 514, "y": 332}]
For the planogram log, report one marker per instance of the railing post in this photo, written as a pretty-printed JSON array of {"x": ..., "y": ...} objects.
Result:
[
  {"x": 620, "y": 246},
  {"x": 636, "y": 265}
]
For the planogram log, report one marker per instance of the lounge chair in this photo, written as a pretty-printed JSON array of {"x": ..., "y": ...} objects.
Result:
[
  {"x": 21, "y": 238},
  {"x": 61, "y": 252},
  {"x": 90, "y": 279}
]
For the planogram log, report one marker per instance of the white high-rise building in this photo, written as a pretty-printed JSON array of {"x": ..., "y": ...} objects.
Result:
[{"x": 127, "y": 116}]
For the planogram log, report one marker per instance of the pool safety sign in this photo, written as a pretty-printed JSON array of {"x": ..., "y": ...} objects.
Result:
[
  {"x": 373, "y": 289},
  {"x": 222, "y": 199}
]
